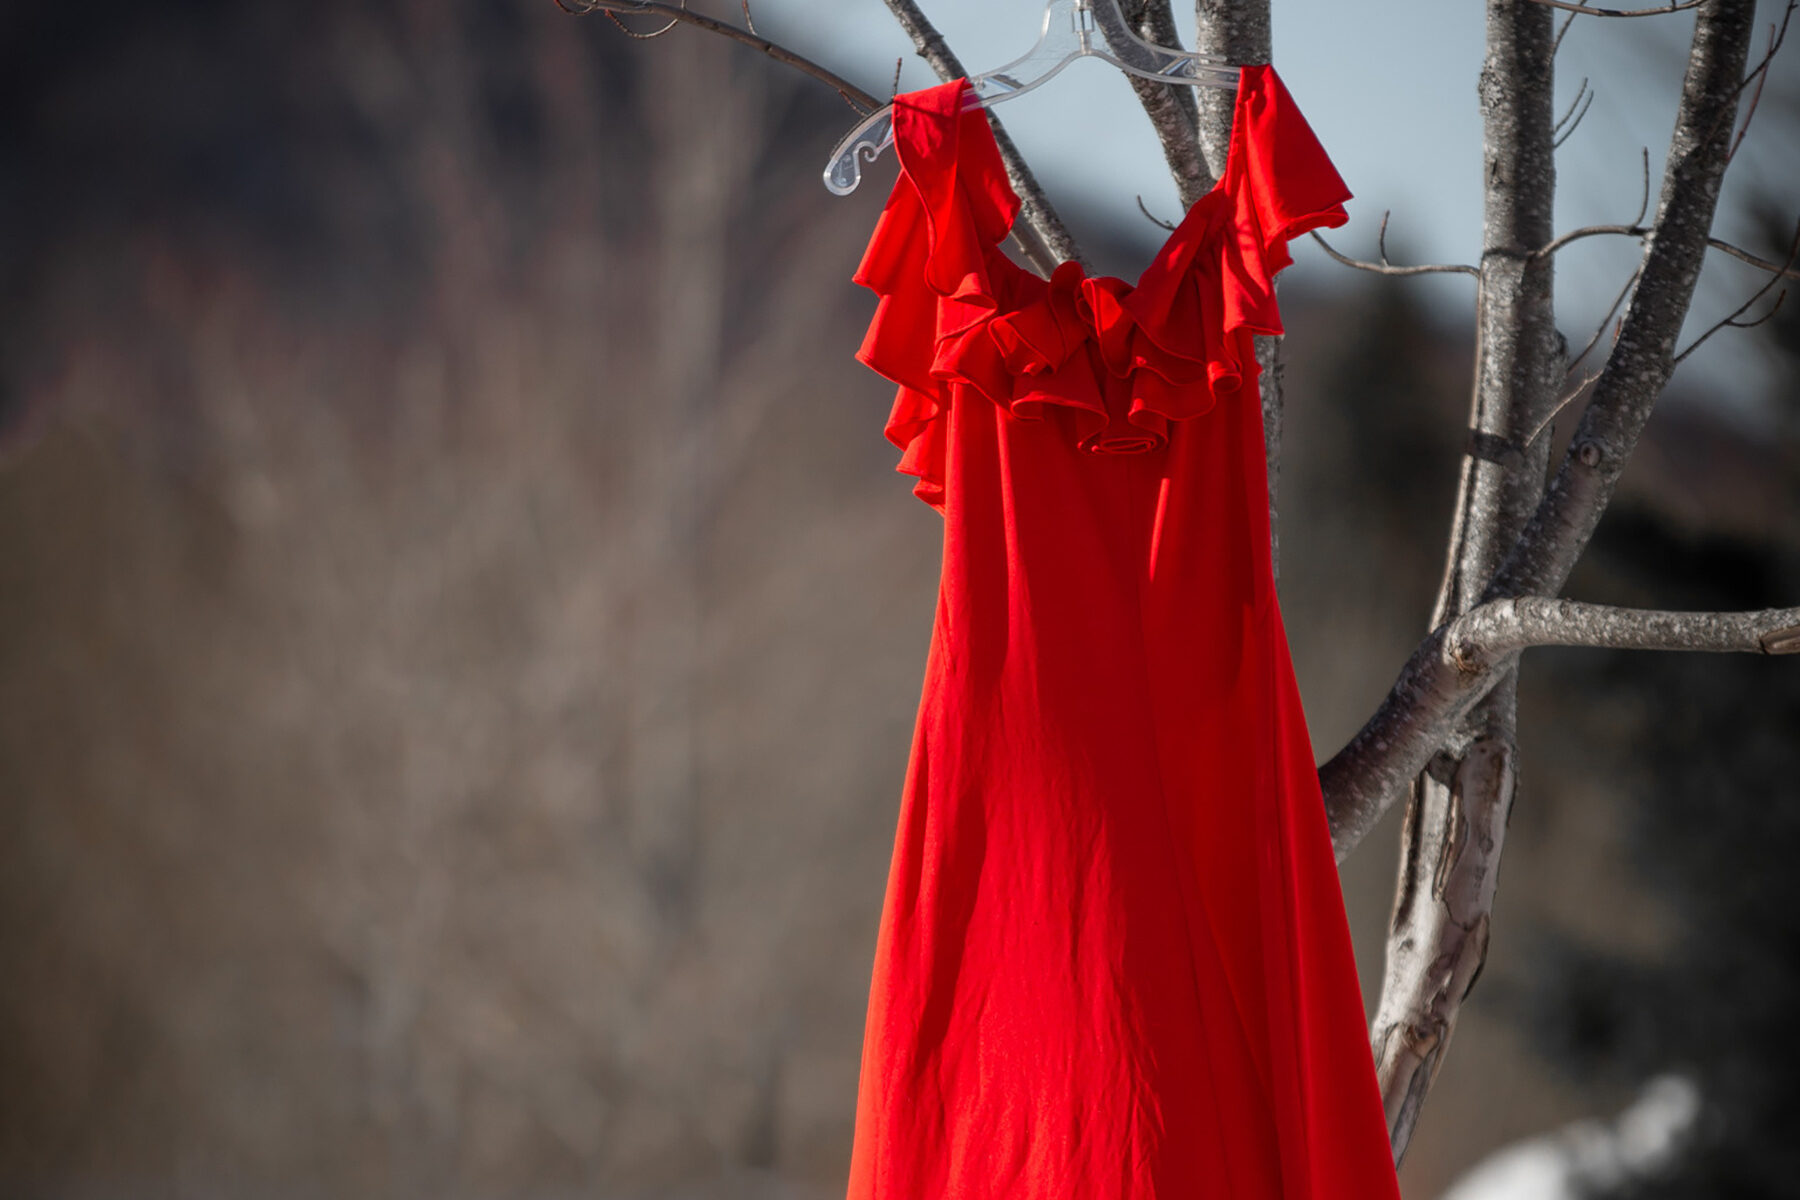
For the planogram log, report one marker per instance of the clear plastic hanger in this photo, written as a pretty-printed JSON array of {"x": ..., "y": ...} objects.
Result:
[{"x": 1072, "y": 29}]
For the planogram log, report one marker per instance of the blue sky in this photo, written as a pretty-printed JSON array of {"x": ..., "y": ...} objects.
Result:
[{"x": 1389, "y": 86}]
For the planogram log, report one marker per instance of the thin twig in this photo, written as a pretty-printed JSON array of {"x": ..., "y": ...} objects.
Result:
[
  {"x": 1154, "y": 219},
  {"x": 1606, "y": 320},
  {"x": 1588, "y": 231},
  {"x": 1384, "y": 268},
  {"x": 1570, "y": 131},
  {"x": 748, "y": 22},
  {"x": 1585, "y": 10},
  {"x": 853, "y": 95},
  {"x": 1761, "y": 75},
  {"x": 1562, "y": 33},
  {"x": 1732, "y": 322},
  {"x": 1562, "y": 405},
  {"x": 1588, "y": 377},
  {"x": 1781, "y": 270},
  {"x": 639, "y": 35},
  {"x": 1644, "y": 204},
  {"x": 1573, "y": 104},
  {"x": 1784, "y": 272}
]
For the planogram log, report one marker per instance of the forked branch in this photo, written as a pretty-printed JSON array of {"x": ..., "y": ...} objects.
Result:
[
  {"x": 1379, "y": 764},
  {"x": 1456, "y": 666}
]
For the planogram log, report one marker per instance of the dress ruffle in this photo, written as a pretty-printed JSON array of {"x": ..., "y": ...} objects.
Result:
[{"x": 1122, "y": 362}]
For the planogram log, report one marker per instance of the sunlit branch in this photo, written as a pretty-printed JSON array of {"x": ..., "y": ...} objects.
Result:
[{"x": 1384, "y": 267}]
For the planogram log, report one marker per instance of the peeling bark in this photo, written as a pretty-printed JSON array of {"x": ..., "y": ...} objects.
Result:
[{"x": 1438, "y": 935}]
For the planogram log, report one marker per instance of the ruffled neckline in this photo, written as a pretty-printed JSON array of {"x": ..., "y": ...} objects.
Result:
[{"x": 1120, "y": 360}]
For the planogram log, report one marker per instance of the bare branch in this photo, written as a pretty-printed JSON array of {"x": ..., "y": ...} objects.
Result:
[
  {"x": 1641, "y": 362},
  {"x": 1381, "y": 761},
  {"x": 1456, "y": 666},
  {"x": 1044, "y": 240},
  {"x": 1580, "y": 93},
  {"x": 641, "y": 36},
  {"x": 855, "y": 96},
  {"x": 1386, "y": 268},
  {"x": 1732, "y": 322},
  {"x": 1480, "y": 639},
  {"x": 1584, "y": 10},
  {"x": 1604, "y": 322},
  {"x": 1568, "y": 133},
  {"x": 1588, "y": 231},
  {"x": 1568, "y": 22},
  {"x": 1777, "y": 35},
  {"x": 1170, "y": 107},
  {"x": 1784, "y": 270},
  {"x": 1562, "y": 406},
  {"x": 1152, "y": 217}
]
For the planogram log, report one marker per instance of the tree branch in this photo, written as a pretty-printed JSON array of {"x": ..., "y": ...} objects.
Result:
[
  {"x": 1644, "y": 356},
  {"x": 1170, "y": 107},
  {"x": 1732, "y": 321},
  {"x": 1375, "y": 768},
  {"x": 1481, "y": 638},
  {"x": 1368, "y": 774},
  {"x": 855, "y": 96},
  {"x": 1585, "y": 11},
  {"x": 1045, "y": 240},
  {"x": 1454, "y": 668},
  {"x": 1785, "y": 271},
  {"x": 1384, "y": 267}
]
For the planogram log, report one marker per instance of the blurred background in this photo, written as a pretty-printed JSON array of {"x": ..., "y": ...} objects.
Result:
[{"x": 460, "y": 627}]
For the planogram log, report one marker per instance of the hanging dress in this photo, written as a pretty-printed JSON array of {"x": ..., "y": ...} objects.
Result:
[{"x": 1113, "y": 960}]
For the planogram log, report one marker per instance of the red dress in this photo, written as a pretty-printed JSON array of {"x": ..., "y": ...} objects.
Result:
[{"x": 1113, "y": 960}]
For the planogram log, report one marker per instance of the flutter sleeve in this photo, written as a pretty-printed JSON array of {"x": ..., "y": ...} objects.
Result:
[
  {"x": 1282, "y": 185},
  {"x": 930, "y": 262}
]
